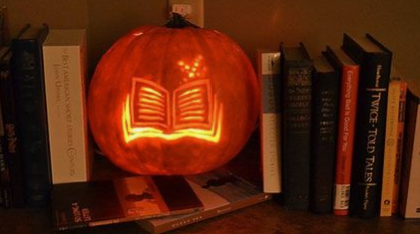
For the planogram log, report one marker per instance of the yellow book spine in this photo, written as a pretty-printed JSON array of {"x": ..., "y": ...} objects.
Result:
[{"x": 390, "y": 150}]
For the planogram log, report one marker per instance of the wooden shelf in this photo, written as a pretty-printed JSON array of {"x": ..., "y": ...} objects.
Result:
[{"x": 266, "y": 218}]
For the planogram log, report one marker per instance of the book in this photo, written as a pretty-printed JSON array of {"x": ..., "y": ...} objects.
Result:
[
  {"x": 5, "y": 192},
  {"x": 375, "y": 65},
  {"x": 400, "y": 141},
  {"x": 4, "y": 41},
  {"x": 220, "y": 191},
  {"x": 325, "y": 91},
  {"x": 31, "y": 119},
  {"x": 270, "y": 120},
  {"x": 3, "y": 169},
  {"x": 12, "y": 176},
  {"x": 95, "y": 203},
  {"x": 349, "y": 72},
  {"x": 155, "y": 111},
  {"x": 390, "y": 151},
  {"x": 296, "y": 72},
  {"x": 409, "y": 205},
  {"x": 64, "y": 54}
]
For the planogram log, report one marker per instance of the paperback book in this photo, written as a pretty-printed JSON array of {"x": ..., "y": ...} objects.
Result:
[
  {"x": 220, "y": 191},
  {"x": 87, "y": 204}
]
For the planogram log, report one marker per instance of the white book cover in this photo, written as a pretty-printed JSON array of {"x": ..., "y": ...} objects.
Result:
[
  {"x": 65, "y": 67},
  {"x": 269, "y": 74}
]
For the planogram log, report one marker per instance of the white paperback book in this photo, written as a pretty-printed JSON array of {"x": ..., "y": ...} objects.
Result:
[
  {"x": 269, "y": 76},
  {"x": 65, "y": 72}
]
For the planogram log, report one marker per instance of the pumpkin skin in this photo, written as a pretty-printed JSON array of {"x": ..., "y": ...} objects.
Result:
[{"x": 155, "y": 65}]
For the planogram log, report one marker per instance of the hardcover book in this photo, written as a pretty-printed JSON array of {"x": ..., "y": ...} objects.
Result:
[
  {"x": 12, "y": 176},
  {"x": 87, "y": 204},
  {"x": 220, "y": 191},
  {"x": 270, "y": 120},
  {"x": 324, "y": 126},
  {"x": 349, "y": 72},
  {"x": 296, "y": 72},
  {"x": 64, "y": 53},
  {"x": 31, "y": 128},
  {"x": 4, "y": 169},
  {"x": 410, "y": 186},
  {"x": 390, "y": 152},
  {"x": 375, "y": 65},
  {"x": 400, "y": 143}
]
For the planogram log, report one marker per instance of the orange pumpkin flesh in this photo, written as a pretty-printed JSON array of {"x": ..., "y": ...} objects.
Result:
[{"x": 173, "y": 101}]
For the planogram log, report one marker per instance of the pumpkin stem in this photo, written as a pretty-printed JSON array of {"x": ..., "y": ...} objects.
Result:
[{"x": 178, "y": 21}]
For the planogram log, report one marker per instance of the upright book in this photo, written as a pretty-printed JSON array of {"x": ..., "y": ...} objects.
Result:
[
  {"x": 349, "y": 72},
  {"x": 400, "y": 148},
  {"x": 12, "y": 176},
  {"x": 87, "y": 204},
  {"x": 64, "y": 53},
  {"x": 390, "y": 151},
  {"x": 270, "y": 120},
  {"x": 296, "y": 73},
  {"x": 325, "y": 93},
  {"x": 29, "y": 97},
  {"x": 5, "y": 192},
  {"x": 375, "y": 65},
  {"x": 220, "y": 191},
  {"x": 410, "y": 182}
]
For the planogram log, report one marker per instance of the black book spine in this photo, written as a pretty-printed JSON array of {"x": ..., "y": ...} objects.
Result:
[
  {"x": 296, "y": 99},
  {"x": 5, "y": 191},
  {"x": 2, "y": 165},
  {"x": 370, "y": 131},
  {"x": 13, "y": 174},
  {"x": 324, "y": 127},
  {"x": 31, "y": 117}
]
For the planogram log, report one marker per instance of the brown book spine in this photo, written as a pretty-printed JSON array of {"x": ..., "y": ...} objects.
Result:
[
  {"x": 345, "y": 141},
  {"x": 400, "y": 140}
]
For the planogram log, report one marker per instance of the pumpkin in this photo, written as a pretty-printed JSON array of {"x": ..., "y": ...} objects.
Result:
[{"x": 173, "y": 100}]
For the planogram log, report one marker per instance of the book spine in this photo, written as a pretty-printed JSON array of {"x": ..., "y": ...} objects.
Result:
[
  {"x": 31, "y": 118},
  {"x": 67, "y": 116},
  {"x": 2, "y": 165},
  {"x": 370, "y": 136},
  {"x": 5, "y": 192},
  {"x": 296, "y": 137},
  {"x": 345, "y": 138},
  {"x": 269, "y": 72},
  {"x": 324, "y": 125},
  {"x": 200, "y": 216},
  {"x": 13, "y": 174},
  {"x": 390, "y": 148},
  {"x": 410, "y": 188},
  {"x": 400, "y": 143},
  {"x": 370, "y": 133}
]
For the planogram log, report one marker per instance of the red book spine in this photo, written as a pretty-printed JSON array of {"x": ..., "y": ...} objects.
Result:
[
  {"x": 400, "y": 135},
  {"x": 345, "y": 140}
]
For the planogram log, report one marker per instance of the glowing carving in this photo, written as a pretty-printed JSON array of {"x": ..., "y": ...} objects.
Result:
[{"x": 193, "y": 112}]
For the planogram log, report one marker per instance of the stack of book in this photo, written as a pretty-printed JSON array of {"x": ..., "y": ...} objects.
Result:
[{"x": 348, "y": 125}]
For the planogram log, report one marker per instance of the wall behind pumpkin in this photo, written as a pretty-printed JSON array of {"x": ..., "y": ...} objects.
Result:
[{"x": 252, "y": 23}]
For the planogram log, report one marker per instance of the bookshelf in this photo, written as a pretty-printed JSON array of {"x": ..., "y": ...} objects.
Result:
[{"x": 253, "y": 24}]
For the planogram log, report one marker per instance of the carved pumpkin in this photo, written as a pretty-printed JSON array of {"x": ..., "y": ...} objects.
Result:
[{"x": 173, "y": 100}]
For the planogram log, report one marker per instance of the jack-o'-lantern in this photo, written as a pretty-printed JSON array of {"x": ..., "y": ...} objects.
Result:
[{"x": 173, "y": 100}]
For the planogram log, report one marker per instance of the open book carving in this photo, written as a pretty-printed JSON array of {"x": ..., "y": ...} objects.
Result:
[{"x": 192, "y": 110}]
